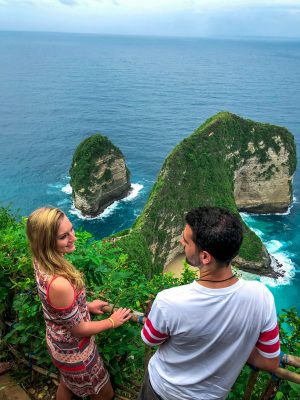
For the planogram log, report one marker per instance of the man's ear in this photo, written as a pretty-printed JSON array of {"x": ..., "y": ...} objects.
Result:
[{"x": 204, "y": 257}]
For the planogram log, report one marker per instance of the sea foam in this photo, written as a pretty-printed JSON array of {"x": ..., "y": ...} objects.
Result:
[
  {"x": 287, "y": 212},
  {"x": 67, "y": 189},
  {"x": 280, "y": 258},
  {"x": 133, "y": 193},
  {"x": 285, "y": 265},
  {"x": 52, "y": 188}
]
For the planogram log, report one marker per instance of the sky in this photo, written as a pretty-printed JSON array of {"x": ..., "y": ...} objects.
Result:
[{"x": 190, "y": 18}]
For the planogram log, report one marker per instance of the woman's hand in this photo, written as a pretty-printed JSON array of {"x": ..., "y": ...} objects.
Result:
[
  {"x": 95, "y": 307},
  {"x": 120, "y": 316}
]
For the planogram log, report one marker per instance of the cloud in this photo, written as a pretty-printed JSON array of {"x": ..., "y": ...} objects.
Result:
[
  {"x": 16, "y": 3},
  {"x": 68, "y": 2}
]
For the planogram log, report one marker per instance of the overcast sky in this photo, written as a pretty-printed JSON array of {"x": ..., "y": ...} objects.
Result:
[{"x": 206, "y": 18}]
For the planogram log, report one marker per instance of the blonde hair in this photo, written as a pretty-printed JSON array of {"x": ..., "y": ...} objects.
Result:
[{"x": 42, "y": 228}]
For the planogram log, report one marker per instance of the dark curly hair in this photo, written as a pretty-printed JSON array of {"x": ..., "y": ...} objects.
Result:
[{"x": 217, "y": 231}]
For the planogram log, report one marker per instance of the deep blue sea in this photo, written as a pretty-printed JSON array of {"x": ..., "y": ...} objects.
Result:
[{"x": 146, "y": 94}]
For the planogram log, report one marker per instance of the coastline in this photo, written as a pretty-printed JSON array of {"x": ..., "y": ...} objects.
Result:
[{"x": 176, "y": 267}]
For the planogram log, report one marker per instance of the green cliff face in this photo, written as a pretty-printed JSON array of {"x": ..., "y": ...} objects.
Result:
[
  {"x": 205, "y": 170},
  {"x": 99, "y": 175}
]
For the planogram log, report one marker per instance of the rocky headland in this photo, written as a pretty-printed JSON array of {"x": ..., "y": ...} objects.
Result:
[
  {"x": 229, "y": 162},
  {"x": 99, "y": 175}
]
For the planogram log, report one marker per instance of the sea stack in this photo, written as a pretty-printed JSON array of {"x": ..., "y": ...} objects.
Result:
[
  {"x": 99, "y": 175},
  {"x": 228, "y": 162}
]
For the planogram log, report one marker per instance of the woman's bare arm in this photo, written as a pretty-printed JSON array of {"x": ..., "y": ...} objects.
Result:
[{"x": 61, "y": 295}]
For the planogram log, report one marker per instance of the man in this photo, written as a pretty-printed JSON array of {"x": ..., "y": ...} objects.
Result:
[{"x": 207, "y": 330}]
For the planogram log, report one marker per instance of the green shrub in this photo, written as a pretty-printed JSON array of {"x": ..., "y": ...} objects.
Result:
[{"x": 109, "y": 274}]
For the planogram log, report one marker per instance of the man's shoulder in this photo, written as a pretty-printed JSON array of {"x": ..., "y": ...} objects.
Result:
[
  {"x": 255, "y": 285},
  {"x": 257, "y": 290},
  {"x": 174, "y": 292}
]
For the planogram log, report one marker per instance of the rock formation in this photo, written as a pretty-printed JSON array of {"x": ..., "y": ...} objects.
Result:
[
  {"x": 264, "y": 187},
  {"x": 228, "y": 162},
  {"x": 99, "y": 175}
]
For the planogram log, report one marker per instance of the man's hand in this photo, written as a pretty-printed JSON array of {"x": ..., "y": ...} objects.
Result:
[{"x": 95, "y": 307}]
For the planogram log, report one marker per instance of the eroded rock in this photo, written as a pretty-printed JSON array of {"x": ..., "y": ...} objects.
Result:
[{"x": 99, "y": 175}]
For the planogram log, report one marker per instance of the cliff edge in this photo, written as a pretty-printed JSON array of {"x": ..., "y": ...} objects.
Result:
[{"x": 99, "y": 175}]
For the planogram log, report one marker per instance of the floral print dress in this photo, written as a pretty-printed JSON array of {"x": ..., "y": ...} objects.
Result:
[{"x": 80, "y": 365}]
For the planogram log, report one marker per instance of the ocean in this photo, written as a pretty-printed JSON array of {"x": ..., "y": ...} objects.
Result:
[{"x": 146, "y": 94}]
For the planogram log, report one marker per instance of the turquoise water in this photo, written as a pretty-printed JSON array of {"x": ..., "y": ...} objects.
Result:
[{"x": 146, "y": 94}]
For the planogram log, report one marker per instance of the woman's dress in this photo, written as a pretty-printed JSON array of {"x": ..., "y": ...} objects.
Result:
[{"x": 81, "y": 367}]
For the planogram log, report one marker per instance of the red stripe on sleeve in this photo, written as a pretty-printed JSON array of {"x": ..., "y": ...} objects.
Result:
[
  {"x": 268, "y": 348},
  {"x": 154, "y": 331},
  {"x": 269, "y": 335},
  {"x": 150, "y": 338}
]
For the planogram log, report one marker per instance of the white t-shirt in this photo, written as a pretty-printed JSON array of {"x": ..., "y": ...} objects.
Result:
[{"x": 205, "y": 336}]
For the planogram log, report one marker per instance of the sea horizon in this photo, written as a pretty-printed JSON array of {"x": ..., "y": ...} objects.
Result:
[{"x": 152, "y": 36}]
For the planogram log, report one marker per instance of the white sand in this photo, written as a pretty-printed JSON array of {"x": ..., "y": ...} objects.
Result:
[{"x": 176, "y": 266}]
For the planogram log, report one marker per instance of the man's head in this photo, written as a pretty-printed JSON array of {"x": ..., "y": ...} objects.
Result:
[{"x": 214, "y": 231}]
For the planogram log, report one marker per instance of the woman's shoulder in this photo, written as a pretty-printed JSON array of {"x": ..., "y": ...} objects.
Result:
[{"x": 61, "y": 294}]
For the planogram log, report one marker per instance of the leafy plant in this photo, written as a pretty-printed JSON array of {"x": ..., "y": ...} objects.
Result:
[{"x": 110, "y": 274}]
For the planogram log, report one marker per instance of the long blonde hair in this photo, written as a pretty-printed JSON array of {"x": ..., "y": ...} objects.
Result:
[{"x": 42, "y": 228}]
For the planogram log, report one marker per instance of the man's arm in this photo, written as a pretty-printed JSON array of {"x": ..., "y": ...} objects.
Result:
[
  {"x": 261, "y": 362},
  {"x": 266, "y": 352},
  {"x": 151, "y": 336},
  {"x": 155, "y": 331}
]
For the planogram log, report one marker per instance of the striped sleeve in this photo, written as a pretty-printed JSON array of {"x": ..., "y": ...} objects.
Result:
[
  {"x": 268, "y": 344},
  {"x": 151, "y": 336},
  {"x": 155, "y": 331}
]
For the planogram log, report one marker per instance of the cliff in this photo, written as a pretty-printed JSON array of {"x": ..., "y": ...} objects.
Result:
[
  {"x": 264, "y": 185},
  {"x": 228, "y": 162},
  {"x": 99, "y": 175}
]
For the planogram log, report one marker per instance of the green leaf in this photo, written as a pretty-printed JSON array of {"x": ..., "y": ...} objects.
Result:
[{"x": 295, "y": 387}]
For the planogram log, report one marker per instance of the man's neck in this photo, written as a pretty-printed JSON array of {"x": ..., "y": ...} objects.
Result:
[{"x": 216, "y": 277}]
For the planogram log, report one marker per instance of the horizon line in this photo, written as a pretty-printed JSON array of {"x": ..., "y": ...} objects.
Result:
[{"x": 216, "y": 37}]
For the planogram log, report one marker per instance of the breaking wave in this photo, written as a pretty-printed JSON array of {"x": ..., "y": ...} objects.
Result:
[{"x": 134, "y": 192}]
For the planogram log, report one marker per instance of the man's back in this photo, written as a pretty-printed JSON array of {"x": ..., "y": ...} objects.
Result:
[
  {"x": 207, "y": 330},
  {"x": 211, "y": 333}
]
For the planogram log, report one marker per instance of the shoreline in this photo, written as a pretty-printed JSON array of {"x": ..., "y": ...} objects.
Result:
[{"x": 176, "y": 268}]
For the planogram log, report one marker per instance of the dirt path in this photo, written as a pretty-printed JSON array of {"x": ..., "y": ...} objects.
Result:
[{"x": 10, "y": 390}]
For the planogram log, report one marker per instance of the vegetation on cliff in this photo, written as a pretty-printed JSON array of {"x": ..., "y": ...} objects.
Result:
[
  {"x": 84, "y": 163},
  {"x": 99, "y": 175},
  {"x": 200, "y": 172}
]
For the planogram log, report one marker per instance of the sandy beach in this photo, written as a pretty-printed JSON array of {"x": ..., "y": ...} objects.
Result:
[{"x": 176, "y": 266}]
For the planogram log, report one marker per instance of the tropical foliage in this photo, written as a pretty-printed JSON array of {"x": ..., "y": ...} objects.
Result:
[{"x": 110, "y": 275}]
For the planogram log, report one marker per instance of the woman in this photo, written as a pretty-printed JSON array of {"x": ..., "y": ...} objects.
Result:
[{"x": 69, "y": 329}]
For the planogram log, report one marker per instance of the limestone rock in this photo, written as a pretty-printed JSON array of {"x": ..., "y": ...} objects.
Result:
[
  {"x": 99, "y": 175},
  {"x": 264, "y": 187},
  {"x": 229, "y": 162}
]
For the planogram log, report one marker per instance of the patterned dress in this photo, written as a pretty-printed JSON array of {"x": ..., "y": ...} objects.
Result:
[{"x": 81, "y": 368}]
